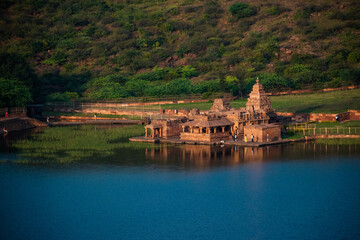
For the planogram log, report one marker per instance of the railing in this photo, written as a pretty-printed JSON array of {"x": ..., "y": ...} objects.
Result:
[
  {"x": 12, "y": 111},
  {"x": 323, "y": 131}
]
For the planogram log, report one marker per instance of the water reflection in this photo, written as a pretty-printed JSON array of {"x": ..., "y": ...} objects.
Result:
[{"x": 205, "y": 157}]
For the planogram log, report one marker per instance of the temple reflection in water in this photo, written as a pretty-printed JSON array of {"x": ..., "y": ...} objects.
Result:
[{"x": 206, "y": 156}]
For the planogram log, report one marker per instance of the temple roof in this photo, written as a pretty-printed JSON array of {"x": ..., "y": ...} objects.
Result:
[
  {"x": 263, "y": 126},
  {"x": 209, "y": 123}
]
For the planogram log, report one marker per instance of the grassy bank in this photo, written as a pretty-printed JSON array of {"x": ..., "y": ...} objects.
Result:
[
  {"x": 325, "y": 102},
  {"x": 345, "y": 141},
  {"x": 72, "y": 144},
  {"x": 91, "y": 115}
]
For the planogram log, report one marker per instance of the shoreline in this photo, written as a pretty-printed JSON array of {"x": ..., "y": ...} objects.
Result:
[{"x": 240, "y": 143}]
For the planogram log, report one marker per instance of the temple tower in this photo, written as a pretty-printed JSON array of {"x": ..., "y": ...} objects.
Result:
[{"x": 258, "y": 100}]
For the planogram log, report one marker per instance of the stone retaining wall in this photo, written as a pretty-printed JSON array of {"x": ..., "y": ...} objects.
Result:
[
  {"x": 322, "y": 117},
  {"x": 18, "y": 124}
]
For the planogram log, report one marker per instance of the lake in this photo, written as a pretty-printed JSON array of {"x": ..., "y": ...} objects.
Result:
[{"x": 90, "y": 183}]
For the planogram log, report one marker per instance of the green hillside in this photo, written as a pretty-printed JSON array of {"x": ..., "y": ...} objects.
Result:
[{"x": 59, "y": 50}]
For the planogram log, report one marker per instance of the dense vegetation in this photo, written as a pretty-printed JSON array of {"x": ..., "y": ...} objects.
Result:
[{"x": 61, "y": 50}]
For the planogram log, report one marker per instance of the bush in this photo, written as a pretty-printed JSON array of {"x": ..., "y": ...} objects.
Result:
[
  {"x": 233, "y": 59},
  {"x": 242, "y": 10},
  {"x": 207, "y": 86},
  {"x": 136, "y": 87},
  {"x": 353, "y": 57},
  {"x": 274, "y": 10},
  {"x": 178, "y": 87}
]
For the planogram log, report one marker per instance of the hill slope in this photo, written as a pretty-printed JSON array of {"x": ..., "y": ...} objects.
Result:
[{"x": 110, "y": 49}]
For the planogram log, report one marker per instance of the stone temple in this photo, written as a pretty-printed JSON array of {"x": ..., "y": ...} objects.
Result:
[{"x": 221, "y": 123}]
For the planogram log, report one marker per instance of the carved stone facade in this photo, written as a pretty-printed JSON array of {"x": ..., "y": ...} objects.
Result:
[
  {"x": 163, "y": 128},
  {"x": 258, "y": 100}
]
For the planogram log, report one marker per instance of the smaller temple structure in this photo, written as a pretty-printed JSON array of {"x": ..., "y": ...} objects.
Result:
[
  {"x": 207, "y": 128},
  {"x": 262, "y": 133},
  {"x": 163, "y": 128}
]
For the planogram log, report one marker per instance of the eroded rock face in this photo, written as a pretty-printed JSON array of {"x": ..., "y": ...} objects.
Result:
[{"x": 220, "y": 105}]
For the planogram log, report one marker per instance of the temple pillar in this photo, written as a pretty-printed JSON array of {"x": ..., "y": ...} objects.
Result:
[
  {"x": 223, "y": 129},
  {"x": 146, "y": 130}
]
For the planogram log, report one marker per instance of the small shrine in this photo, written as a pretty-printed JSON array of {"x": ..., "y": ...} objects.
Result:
[{"x": 163, "y": 128}]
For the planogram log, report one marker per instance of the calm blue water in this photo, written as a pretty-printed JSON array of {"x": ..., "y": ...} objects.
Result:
[{"x": 301, "y": 191}]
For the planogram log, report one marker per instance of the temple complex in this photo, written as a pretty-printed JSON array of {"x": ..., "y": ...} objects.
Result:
[{"x": 221, "y": 123}]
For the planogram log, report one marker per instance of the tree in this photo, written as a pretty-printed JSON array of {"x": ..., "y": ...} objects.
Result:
[
  {"x": 13, "y": 93},
  {"x": 13, "y": 66}
]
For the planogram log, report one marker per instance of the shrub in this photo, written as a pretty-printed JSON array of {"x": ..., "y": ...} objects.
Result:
[
  {"x": 233, "y": 59},
  {"x": 136, "y": 87},
  {"x": 178, "y": 87},
  {"x": 353, "y": 57},
  {"x": 213, "y": 9},
  {"x": 335, "y": 83},
  {"x": 242, "y": 10},
  {"x": 207, "y": 86},
  {"x": 57, "y": 97},
  {"x": 274, "y": 10}
]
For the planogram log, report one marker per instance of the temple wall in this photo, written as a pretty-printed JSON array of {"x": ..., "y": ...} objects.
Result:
[
  {"x": 172, "y": 130},
  {"x": 322, "y": 117},
  {"x": 260, "y": 133},
  {"x": 204, "y": 137},
  {"x": 195, "y": 137}
]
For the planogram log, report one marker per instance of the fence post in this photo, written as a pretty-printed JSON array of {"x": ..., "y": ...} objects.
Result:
[
  {"x": 349, "y": 130},
  {"x": 314, "y": 132}
]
